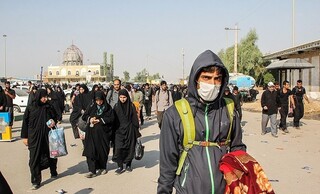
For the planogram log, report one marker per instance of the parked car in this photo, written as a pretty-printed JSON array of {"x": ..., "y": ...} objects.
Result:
[
  {"x": 24, "y": 88},
  {"x": 21, "y": 101}
]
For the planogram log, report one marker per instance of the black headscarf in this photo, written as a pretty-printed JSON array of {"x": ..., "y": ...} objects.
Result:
[
  {"x": 100, "y": 95},
  {"x": 126, "y": 106},
  {"x": 38, "y": 95}
]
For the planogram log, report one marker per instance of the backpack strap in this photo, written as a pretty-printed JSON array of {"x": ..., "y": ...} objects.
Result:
[
  {"x": 188, "y": 124},
  {"x": 230, "y": 107}
]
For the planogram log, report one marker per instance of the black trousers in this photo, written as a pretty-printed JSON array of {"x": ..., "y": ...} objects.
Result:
[
  {"x": 148, "y": 105},
  {"x": 94, "y": 165},
  {"x": 298, "y": 113},
  {"x": 141, "y": 115},
  {"x": 36, "y": 171},
  {"x": 283, "y": 117}
]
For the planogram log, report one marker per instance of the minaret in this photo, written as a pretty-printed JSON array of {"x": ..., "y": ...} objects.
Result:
[
  {"x": 111, "y": 66},
  {"x": 105, "y": 64}
]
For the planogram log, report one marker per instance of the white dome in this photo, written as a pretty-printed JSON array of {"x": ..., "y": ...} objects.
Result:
[{"x": 72, "y": 56}]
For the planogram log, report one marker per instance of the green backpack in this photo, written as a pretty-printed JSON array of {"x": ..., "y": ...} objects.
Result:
[{"x": 188, "y": 124}]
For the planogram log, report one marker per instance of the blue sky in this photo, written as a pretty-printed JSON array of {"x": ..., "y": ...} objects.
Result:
[{"x": 133, "y": 30}]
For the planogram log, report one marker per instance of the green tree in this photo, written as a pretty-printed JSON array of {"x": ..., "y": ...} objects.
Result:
[
  {"x": 155, "y": 76},
  {"x": 141, "y": 76},
  {"x": 126, "y": 76},
  {"x": 268, "y": 77},
  {"x": 250, "y": 60}
]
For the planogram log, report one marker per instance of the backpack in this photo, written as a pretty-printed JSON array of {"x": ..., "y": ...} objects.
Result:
[
  {"x": 188, "y": 124},
  {"x": 158, "y": 93}
]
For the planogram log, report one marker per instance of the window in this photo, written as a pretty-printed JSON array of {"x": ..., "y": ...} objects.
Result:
[
  {"x": 77, "y": 73},
  {"x": 97, "y": 72},
  {"x": 57, "y": 73},
  {"x": 69, "y": 72},
  {"x": 50, "y": 72}
]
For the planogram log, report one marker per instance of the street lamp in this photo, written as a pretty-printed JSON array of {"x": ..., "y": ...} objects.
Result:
[
  {"x": 235, "y": 65},
  {"x": 5, "y": 55}
]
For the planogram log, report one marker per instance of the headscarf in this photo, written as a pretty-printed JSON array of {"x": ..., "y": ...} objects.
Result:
[
  {"x": 38, "y": 95},
  {"x": 126, "y": 106},
  {"x": 100, "y": 95}
]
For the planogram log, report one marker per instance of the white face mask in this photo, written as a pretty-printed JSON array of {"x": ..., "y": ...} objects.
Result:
[{"x": 208, "y": 92}]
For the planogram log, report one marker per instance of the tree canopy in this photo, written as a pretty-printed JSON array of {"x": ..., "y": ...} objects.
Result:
[{"x": 249, "y": 56}]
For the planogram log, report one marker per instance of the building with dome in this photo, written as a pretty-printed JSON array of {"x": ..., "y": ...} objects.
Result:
[{"x": 73, "y": 69}]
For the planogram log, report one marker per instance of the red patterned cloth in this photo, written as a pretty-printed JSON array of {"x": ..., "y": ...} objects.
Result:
[{"x": 243, "y": 174}]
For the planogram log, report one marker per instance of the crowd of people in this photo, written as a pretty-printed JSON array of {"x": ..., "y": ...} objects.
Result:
[
  {"x": 192, "y": 141},
  {"x": 281, "y": 99},
  {"x": 102, "y": 118}
]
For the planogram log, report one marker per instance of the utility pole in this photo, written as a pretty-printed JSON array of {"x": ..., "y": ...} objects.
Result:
[
  {"x": 235, "y": 65},
  {"x": 293, "y": 27},
  {"x": 182, "y": 52},
  {"x": 5, "y": 55}
]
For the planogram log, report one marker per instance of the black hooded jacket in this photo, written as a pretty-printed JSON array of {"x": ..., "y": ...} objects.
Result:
[{"x": 200, "y": 172}]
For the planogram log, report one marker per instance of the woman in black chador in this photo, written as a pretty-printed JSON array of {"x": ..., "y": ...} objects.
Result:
[
  {"x": 81, "y": 103},
  {"x": 98, "y": 134},
  {"x": 127, "y": 132},
  {"x": 34, "y": 132}
]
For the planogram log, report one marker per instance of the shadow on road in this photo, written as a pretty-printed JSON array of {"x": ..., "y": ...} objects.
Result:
[
  {"x": 148, "y": 123},
  {"x": 150, "y": 138},
  {"x": 149, "y": 160},
  {"x": 84, "y": 191},
  {"x": 79, "y": 168}
]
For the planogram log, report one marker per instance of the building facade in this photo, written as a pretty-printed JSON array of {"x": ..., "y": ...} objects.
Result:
[
  {"x": 73, "y": 69},
  {"x": 310, "y": 77}
]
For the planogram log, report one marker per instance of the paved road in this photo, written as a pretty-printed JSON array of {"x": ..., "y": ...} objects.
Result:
[{"x": 291, "y": 162}]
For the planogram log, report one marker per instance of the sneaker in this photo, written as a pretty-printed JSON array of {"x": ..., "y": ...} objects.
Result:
[
  {"x": 90, "y": 175},
  {"x": 263, "y": 133},
  {"x": 129, "y": 169},
  {"x": 35, "y": 187},
  {"x": 297, "y": 127},
  {"x": 103, "y": 172},
  {"x": 119, "y": 171},
  {"x": 274, "y": 135},
  {"x": 286, "y": 131}
]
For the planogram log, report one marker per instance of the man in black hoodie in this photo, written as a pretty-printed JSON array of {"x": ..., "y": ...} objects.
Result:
[{"x": 200, "y": 172}]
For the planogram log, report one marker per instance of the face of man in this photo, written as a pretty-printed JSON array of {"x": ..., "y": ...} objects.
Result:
[
  {"x": 146, "y": 87},
  {"x": 235, "y": 91},
  {"x": 271, "y": 88},
  {"x": 277, "y": 87},
  {"x": 299, "y": 85},
  {"x": 209, "y": 78},
  {"x": 287, "y": 86},
  {"x": 164, "y": 87},
  {"x": 122, "y": 98},
  {"x": 116, "y": 85},
  {"x": 7, "y": 86}
]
